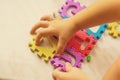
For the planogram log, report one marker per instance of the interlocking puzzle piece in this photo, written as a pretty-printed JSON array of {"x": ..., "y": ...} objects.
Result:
[
  {"x": 112, "y": 29},
  {"x": 64, "y": 17},
  {"x": 100, "y": 31},
  {"x": 77, "y": 55},
  {"x": 88, "y": 58},
  {"x": 70, "y": 3},
  {"x": 43, "y": 51},
  {"x": 56, "y": 61},
  {"x": 83, "y": 36}
]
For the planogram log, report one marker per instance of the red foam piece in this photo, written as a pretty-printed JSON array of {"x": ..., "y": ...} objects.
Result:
[{"x": 83, "y": 36}]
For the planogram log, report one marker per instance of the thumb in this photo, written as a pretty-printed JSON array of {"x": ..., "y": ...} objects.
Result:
[
  {"x": 57, "y": 74},
  {"x": 68, "y": 67}
]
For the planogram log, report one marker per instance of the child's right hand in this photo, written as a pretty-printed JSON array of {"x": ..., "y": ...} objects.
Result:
[
  {"x": 71, "y": 73},
  {"x": 63, "y": 29}
]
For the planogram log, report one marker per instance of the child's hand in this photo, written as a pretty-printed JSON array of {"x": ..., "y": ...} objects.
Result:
[
  {"x": 63, "y": 29},
  {"x": 71, "y": 73}
]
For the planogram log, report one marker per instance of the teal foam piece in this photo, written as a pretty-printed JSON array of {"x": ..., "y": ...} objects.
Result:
[
  {"x": 100, "y": 31},
  {"x": 64, "y": 17}
]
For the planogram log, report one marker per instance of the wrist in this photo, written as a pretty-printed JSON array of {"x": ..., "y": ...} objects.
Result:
[{"x": 74, "y": 25}]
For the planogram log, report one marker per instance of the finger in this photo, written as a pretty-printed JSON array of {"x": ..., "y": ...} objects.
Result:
[
  {"x": 54, "y": 77},
  {"x": 43, "y": 24},
  {"x": 47, "y": 18},
  {"x": 57, "y": 15},
  {"x": 54, "y": 73},
  {"x": 43, "y": 33},
  {"x": 61, "y": 46},
  {"x": 57, "y": 74},
  {"x": 68, "y": 67}
]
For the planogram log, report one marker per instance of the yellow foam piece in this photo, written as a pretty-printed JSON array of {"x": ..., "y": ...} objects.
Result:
[
  {"x": 43, "y": 51},
  {"x": 112, "y": 29}
]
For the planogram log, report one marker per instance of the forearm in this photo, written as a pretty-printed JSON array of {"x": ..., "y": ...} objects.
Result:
[
  {"x": 113, "y": 72},
  {"x": 102, "y": 11}
]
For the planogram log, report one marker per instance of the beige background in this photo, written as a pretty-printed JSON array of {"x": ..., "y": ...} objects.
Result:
[{"x": 19, "y": 63}]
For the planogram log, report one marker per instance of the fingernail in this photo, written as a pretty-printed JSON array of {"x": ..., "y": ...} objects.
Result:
[{"x": 56, "y": 54}]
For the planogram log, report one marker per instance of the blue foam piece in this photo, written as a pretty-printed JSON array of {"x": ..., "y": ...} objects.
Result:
[{"x": 100, "y": 31}]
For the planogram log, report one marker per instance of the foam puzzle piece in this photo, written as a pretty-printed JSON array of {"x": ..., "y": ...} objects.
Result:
[
  {"x": 56, "y": 61},
  {"x": 112, "y": 29},
  {"x": 70, "y": 3},
  {"x": 43, "y": 51},
  {"x": 83, "y": 36},
  {"x": 100, "y": 31},
  {"x": 64, "y": 17},
  {"x": 77, "y": 55},
  {"x": 88, "y": 58}
]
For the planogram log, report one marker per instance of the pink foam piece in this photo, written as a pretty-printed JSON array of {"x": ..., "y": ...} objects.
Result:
[{"x": 71, "y": 3}]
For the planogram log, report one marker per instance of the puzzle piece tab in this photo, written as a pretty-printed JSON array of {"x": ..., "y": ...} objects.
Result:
[
  {"x": 100, "y": 31},
  {"x": 88, "y": 58},
  {"x": 112, "y": 29},
  {"x": 70, "y": 3},
  {"x": 43, "y": 51}
]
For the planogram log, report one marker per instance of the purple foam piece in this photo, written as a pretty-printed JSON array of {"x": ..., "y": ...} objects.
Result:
[
  {"x": 77, "y": 55},
  {"x": 71, "y": 3},
  {"x": 56, "y": 61},
  {"x": 66, "y": 58}
]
